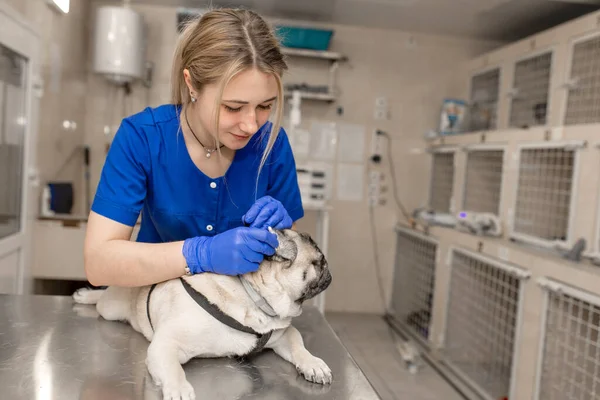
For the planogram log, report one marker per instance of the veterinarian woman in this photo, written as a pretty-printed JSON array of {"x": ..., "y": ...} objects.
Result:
[{"x": 208, "y": 172}]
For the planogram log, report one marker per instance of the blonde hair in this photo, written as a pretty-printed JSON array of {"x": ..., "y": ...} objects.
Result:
[{"x": 219, "y": 45}]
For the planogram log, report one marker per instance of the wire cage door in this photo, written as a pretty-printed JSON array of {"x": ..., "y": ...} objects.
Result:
[
  {"x": 545, "y": 193},
  {"x": 529, "y": 103},
  {"x": 583, "y": 98},
  {"x": 442, "y": 181},
  {"x": 484, "y": 312},
  {"x": 569, "y": 361},
  {"x": 483, "y": 106},
  {"x": 414, "y": 277},
  {"x": 483, "y": 180}
]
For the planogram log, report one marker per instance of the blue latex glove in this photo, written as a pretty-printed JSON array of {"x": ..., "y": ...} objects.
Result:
[
  {"x": 266, "y": 212},
  {"x": 234, "y": 252}
]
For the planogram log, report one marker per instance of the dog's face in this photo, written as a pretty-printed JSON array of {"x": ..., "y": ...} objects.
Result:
[{"x": 298, "y": 268}]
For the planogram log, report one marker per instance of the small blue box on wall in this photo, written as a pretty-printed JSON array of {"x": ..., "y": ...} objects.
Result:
[{"x": 304, "y": 38}]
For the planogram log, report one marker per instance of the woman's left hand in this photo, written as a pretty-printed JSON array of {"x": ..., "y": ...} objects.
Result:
[{"x": 266, "y": 212}]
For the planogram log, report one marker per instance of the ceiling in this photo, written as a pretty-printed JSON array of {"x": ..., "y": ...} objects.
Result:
[{"x": 503, "y": 20}]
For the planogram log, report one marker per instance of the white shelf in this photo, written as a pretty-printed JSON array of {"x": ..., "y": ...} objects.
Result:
[
  {"x": 313, "y": 96},
  {"x": 326, "y": 55}
]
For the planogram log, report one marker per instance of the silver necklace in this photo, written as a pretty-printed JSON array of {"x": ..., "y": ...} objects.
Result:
[{"x": 208, "y": 151}]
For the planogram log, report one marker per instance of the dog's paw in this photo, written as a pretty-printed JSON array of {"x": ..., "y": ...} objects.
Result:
[
  {"x": 80, "y": 295},
  {"x": 87, "y": 296},
  {"x": 182, "y": 391},
  {"x": 313, "y": 369}
]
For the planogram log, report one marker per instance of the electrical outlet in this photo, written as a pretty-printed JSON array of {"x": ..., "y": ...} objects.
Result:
[
  {"x": 381, "y": 102},
  {"x": 381, "y": 109},
  {"x": 376, "y": 144},
  {"x": 374, "y": 188},
  {"x": 380, "y": 114}
]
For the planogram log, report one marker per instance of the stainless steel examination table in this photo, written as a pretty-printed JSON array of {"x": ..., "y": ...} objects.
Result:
[{"x": 51, "y": 349}]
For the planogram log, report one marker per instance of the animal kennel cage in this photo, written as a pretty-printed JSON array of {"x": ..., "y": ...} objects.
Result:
[
  {"x": 546, "y": 190},
  {"x": 529, "y": 96},
  {"x": 482, "y": 322},
  {"x": 414, "y": 275},
  {"x": 569, "y": 359},
  {"x": 583, "y": 99},
  {"x": 483, "y": 106},
  {"x": 442, "y": 180},
  {"x": 483, "y": 179}
]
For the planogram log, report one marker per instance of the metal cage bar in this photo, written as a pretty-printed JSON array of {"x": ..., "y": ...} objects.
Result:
[
  {"x": 594, "y": 252},
  {"x": 414, "y": 276},
  {"x": 531, "y": 85},
  {"x": 583, "y": 99},
  {"x": 442, "y": 181},
  {"x": 569, "y": 361},
  {"x": 483, "y": 316},
  {"x": 545, "y": 193},
  {"x": 483, "y": 107},
  {"x": 483, "y": 180}
]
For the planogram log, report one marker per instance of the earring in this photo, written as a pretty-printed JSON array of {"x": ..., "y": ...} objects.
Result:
[{"x": 193, "y": 99}]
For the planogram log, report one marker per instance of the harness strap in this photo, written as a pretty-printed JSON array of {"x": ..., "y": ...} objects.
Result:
[
  {"x": 148, "y": 305},
  {"x": 219, "y": 315},
  {"x": 216, "y": 313}
]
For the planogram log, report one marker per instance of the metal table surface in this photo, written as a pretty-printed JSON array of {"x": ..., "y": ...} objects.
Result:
[{"x": 51, "y": 348}]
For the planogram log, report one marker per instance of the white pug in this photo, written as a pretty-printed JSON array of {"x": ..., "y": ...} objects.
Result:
[{"x": 210, "y": 315}]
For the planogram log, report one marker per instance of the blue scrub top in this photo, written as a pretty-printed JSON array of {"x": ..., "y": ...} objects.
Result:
[{"x": 149, "y": 169}]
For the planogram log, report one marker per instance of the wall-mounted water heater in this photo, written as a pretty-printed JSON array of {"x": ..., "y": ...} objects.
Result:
[{"x": 119, "y": 44}]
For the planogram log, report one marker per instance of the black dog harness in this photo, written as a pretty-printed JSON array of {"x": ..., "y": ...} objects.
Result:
[{"x": 202, "y": 301}]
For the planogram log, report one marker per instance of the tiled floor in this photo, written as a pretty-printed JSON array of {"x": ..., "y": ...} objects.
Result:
[{"x": 369, "y": 341}]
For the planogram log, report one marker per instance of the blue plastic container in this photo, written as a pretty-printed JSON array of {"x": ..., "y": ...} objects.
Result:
[{"x": 304, "y": 38}]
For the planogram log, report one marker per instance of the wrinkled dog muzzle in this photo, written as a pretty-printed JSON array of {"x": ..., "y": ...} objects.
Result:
[{"x": 317, "y": 286}]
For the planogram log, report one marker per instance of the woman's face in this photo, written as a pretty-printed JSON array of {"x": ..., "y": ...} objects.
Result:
[{"x": 245, "y": 106}]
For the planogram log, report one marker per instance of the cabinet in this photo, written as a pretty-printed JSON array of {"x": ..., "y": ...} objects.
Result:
[{"x": 58, "y": 250}]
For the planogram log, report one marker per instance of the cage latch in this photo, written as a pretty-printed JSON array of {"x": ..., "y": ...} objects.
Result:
[
  {"x": 550, "y": 285},
  {"x": 571, "y": 84},
  {"x": 513, "y": 93}
]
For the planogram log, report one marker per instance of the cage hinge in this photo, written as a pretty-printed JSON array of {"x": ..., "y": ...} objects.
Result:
[
  {"x": 550, "y": 285},
  {"x": 442, "y": 149},
  {"x": 575, "y": 145},
  {"x": 512, "y": 93},
  {"x": 571, "y": 84},
  {"x": 518, "y": 272}
]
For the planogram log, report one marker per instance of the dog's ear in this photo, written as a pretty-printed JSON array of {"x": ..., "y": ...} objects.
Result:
[{"x": 287, "y": 251}]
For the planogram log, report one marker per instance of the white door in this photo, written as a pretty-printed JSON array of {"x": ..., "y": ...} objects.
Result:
[{"x": 18, "y": 121}]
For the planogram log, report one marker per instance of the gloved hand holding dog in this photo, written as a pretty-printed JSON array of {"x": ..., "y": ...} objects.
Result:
[
  {"x": 239, "y": 250},
  {"x": 234, "y": 252},
  {"x": 267, "y": 212}
]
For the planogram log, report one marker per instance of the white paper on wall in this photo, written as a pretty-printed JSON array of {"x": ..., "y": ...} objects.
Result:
[
  {"x": 351, "y": 143},
  {"x": 323, "y": 141},
  {"x": 350, "y": 182},
  {"x": 300, "y": 142}
]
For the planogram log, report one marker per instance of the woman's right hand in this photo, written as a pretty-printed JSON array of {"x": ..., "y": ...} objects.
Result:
[{"x": 234, "y": 252}]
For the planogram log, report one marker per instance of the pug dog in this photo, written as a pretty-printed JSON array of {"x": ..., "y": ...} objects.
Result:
[{"x": 211, "y": 315}]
